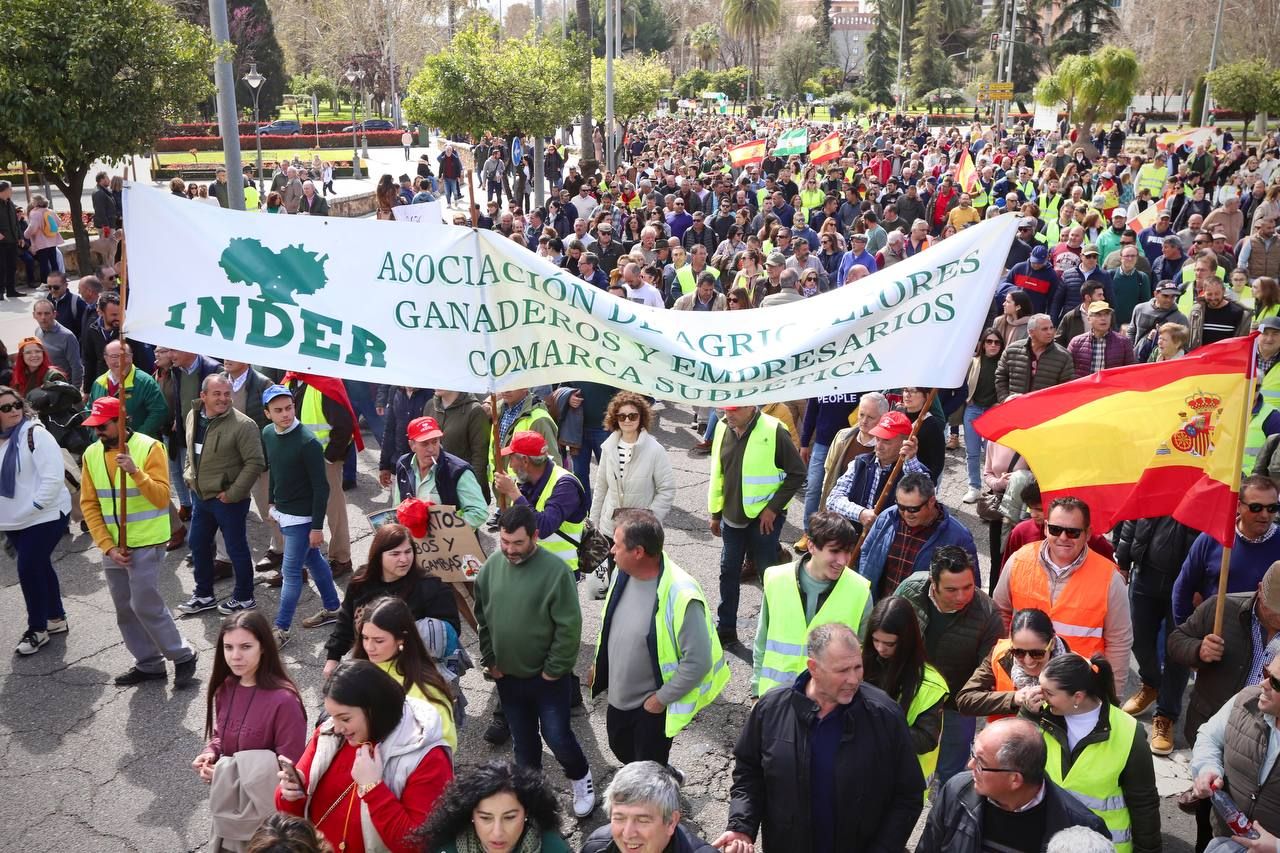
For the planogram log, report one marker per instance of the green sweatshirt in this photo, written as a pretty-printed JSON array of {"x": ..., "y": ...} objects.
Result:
[
  {"x": 529, "y": 618},
  {"x": 296, "y": 466}
]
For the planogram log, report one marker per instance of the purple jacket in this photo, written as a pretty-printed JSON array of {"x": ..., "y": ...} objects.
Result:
[
  {"x": 1119, "y": 351},
  {"x": 566, "y": 503}
]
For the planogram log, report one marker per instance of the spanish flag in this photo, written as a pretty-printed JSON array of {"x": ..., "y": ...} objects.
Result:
[
  {"x": 827, "y": 148},
  {"x": 966, "y": 174},
  {"x": 747, "y": 153},
  {"x": 1148, "y": 217},
  {"x": 1141, "y": 441}
]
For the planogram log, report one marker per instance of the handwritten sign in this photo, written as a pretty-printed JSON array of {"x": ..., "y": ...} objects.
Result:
[{"x": 450, "y": 551}]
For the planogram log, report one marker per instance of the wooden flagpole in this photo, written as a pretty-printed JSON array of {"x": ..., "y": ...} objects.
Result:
[
  {"x": 122, "y": 516},
  {"x": 1246, "y": 412},
  {"x": 893, "y": 475}
]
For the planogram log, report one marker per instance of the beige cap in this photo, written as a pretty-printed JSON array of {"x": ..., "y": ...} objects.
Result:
[{"x": 1270, "y": 587}]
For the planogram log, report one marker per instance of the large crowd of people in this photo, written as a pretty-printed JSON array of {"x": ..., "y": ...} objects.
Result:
[{"x": 881, "y": 643}]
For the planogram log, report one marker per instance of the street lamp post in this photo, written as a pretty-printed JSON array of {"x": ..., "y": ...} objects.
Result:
[
  {"x": 364, "y": 130},
  {"x": 255, "y": 81},
  {"x": 355, "y": 153}
]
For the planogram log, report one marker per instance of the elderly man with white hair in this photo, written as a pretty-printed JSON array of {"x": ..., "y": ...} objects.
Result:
[
  {"x": 893, "y": 251},
  {"x": 643, "y": 805}
]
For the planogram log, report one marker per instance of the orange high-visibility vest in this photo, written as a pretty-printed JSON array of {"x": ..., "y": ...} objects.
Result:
[
  {"x": 1081, "y": 609},
  {"x": 1004, "y": 684}
]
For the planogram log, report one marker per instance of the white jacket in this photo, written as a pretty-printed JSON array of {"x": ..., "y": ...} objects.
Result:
[
  {"x": 418, "y": 732},
  {"x": 41, "y": 494},
  {"x": 647, "y": 484}
]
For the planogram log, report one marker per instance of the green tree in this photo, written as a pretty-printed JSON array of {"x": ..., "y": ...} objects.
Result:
[
  {"x": 752, "y": 20},
  {"x": 67, "y": 101},
  {"x": 479, "y": 84},
  {"x": 317, "y": 83},
  {"x": 253, "y": 33},
  {"x": 1028, "y": 55},
  {"x": 1097, "y": 86},
  {"x": 731, "y": 81},
  {"x": 879, "y": 75},
  {"x": 705, "y": 41},
  {"x": 586, "y": 142},
  {"x": 822, "y": 14},
  {"x": 637, "y": 84},
  {"x": 692, "y": 83},
  {"x": 649, "y": 33},
  {"x": 1249, "y": 86},
  {"x": 1082, "y": 25},
  {"x": 801, "y": 57},
  {"x": 929, "y": 66}
]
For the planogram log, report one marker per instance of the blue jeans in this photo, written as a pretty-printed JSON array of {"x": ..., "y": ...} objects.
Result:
[
  {"x": 957, "y": 739},
  {"x": 737, "y": 541},
  {"x": 813, "y": 488},
  {"x": 592, "y": 438},
  {"x": 712, "y": 420},
  {"x": 175, "y": 477},
  {"x": 40, "y": 589},
  {"x": 973, "y": 445},
  {"x": 530, "y": 703},
  {"x": 361, "y": 396},
  {"x": 297, "y": 551},
  {"x": 207, "y": 518},
  {"x": 451, "y": 190}
]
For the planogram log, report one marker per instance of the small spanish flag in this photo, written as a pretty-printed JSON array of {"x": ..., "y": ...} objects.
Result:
[
  {"x": 1141, "y": 441},
  {"x": 747, "y": 153},
  {"x": 966, "y": 174},
  {"x": 1148, "y": 217},
  {"x": 827, "y": 148}
]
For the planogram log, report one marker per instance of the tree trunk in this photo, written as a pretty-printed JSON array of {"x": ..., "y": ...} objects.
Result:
[
  {"x": 586, "y": 145},
  {"x": 73, "y": 188}
]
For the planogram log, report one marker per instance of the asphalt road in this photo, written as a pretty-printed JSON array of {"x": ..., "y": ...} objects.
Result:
[{"x": 86, "y": 766}]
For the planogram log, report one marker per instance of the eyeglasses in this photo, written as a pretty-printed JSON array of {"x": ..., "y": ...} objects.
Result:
[
  {"x": 628, "y": 416},
  {"x": 977, "y": 765},
  {"x": 912, "y": 510},
  {"x": 1034, "y": 654},
  {"x": 1059, "y": 530},
  {"x": 1252, "y": 507},
  {"x": 9, "y": 407},
  {"x": 1274, "y": 682}
]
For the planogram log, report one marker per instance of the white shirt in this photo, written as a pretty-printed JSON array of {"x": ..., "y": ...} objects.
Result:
[
  {"x": 645, "y": 294},
  {"x": 1080, "y": 725}
]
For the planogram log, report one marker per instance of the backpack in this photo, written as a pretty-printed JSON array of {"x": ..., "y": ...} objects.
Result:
[{"x": 51, "y": 226}]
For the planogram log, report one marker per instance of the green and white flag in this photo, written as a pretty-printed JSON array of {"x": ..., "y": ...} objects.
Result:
[
  {"x": 452, "y": 307},
  {"x": 793, "y": 142}
]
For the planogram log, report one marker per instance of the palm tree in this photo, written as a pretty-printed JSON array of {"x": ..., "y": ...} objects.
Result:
[
  {"x": 585, "y": 141},
  {"x": 1082, "y": 25},
  {"x": 752, "y": 20},
  {"x": 705, "y": 41}
]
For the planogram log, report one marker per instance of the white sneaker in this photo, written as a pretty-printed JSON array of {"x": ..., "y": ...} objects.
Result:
[
  {"x": 584, "y": 796},
  {"x": 33, "y": 641},
  {"x": 971, "y": 496}
]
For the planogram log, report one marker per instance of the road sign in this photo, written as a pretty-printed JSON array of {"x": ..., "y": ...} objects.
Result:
[{"x": 1000, "y": 87}]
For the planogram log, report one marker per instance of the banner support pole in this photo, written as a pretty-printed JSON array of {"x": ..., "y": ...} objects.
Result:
[{"x": 122, "y": 425}]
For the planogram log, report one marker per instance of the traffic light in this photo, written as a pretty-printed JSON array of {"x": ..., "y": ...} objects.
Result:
[{"x": 995, "y": 41}]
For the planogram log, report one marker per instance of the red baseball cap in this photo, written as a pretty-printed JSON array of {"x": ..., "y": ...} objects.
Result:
[
  {"x": 730, "y": 408},
  {"x": 424, "y": 429},
  {"x": 104, "y": 409},
  {"x": 526, "y": 443},
  {"x": 892, "y": 425},
  {"x": 415, "y": 514}
]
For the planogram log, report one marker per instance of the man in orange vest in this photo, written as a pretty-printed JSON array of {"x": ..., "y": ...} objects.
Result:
[{"x": 1082, "y": 591}]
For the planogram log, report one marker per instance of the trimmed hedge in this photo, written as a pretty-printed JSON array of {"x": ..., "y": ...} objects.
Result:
[
  {"x": 247, "y": 128},
  {"x": 272, "y": 141}
]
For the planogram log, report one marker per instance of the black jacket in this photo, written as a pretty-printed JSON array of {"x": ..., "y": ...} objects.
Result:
[
  {"x": 104, "y": 208},
  {"x": 401, "y": 408},
  {"x": 683, "y": 841},
  {"x": 878, "y": 780},
  {"x": 426, "y": 596},
  {"x": 1153, "y": 550},
  {"x": 954, "y": 824},
  {"x": 448, "y": 469}
]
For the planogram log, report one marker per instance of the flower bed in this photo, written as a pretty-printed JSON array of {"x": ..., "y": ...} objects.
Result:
[{"x": 247, "y": 128}]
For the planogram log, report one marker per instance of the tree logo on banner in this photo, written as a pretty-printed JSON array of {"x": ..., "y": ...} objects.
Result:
[
  {"x": 273, "y": 316},
  {"x": 279, "y": 275}
]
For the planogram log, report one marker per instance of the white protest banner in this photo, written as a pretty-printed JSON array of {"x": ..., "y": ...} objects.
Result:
[
  {"x": 1046, "y": 118},
  {"x": 429, "y": 212},
  {"x": 450, "y": 307}
]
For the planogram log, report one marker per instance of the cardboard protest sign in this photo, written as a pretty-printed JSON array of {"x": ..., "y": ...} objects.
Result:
[{"x": 450, "y": 550}]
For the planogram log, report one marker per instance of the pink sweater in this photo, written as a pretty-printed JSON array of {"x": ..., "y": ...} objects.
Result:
[{"x": 256, "y": 718}]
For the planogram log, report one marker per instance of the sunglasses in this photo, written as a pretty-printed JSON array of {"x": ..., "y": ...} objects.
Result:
[
  {"x": 1271, "y": 508},
  {"x": 912, "y": 510},
  {"x": 1059, "y": 530},
  {"x": 1274, "y": 682},
  {"x": 628, "y": 416},
  {"x": 1034, "y": 654},
  {"x": 995, "y": 343},
  {"x": 9, "y": 407}
]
